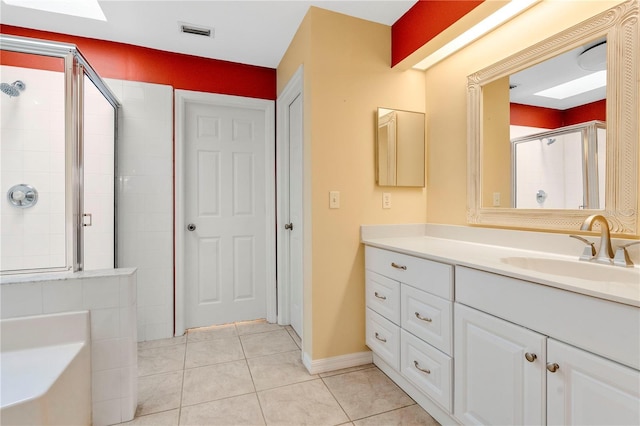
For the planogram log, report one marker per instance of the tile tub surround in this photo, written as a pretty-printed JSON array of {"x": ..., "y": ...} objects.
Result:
[
  {"x": 251, "y": 373},
  {"x": 110, "y": 296},
  {"x": 483, "y": 248}
]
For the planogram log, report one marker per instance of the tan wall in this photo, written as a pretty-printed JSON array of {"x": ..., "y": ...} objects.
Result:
[
  {"x": 496, "y": 162},
  {"x": 347, "y": 75},
  {"x": 446, "y": 97}
]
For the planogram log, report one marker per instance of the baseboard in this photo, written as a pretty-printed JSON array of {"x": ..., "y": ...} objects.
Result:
[{"x": 317, "y": 366}]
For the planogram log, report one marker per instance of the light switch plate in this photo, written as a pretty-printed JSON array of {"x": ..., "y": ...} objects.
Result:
[{"x": 334, "y": 199}]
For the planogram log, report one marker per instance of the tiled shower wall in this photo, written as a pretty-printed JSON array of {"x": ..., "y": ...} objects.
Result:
[
  {"x": 145, "y": 200},
  {"x": 32, "y": 152}
]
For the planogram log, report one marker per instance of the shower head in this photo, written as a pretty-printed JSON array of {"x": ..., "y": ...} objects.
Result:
[
  {"x": 13, "y": 89},
  {"x": 550, "y": 141}
]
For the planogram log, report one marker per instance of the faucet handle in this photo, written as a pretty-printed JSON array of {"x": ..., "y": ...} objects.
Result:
[
  {"x": 589, "y": 251},
  {"x": 621, "y": 257}
]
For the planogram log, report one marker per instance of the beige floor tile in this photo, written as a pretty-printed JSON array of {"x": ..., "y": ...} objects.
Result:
[
  {"x": 214, "y": 332},
  {"x": 308, "y": 403},
  {"x": 278, "y": 370},
  {"x": 181, "y": 340},
  {"x": 161, "y": 359},
  {"x": 238, "y": 410},
  {"x": 346, "y": 370},
  {"x": 412, "y": 415},
  {"x": 272, "y": 342},
  {"x": 365, "y": 393},
  {"x": 204, "y": 384},
  {"x": 215, "y": 351},
  {"x": 294, "y": 335},
  {"x": 159, "y": 392},
  {"x": 258, "y": 326},
  {"x": 166, "y": 418}
]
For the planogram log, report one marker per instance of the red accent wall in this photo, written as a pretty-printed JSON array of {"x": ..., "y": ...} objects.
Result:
[
  {"x": 425, "y": 20},
  {"x": 128, "y": 62},
  {"x": 548, "y": 118}
]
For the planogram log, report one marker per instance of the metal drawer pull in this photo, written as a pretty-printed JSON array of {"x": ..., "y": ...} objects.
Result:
[
  {"x": 380, "y": 338},
  {"x": 420, "y": 317},
  {"x": 424, "y": 370},
  {"x": 380, "y": 297},
  {"x": 553, "y": 367},
  {"x": 395, "y": 265},
  {"x": 530, "y": 357}
]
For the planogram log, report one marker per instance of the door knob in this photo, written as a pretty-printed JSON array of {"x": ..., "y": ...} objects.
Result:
[
  {"x": 552, "y": 367},
  {"x": 191, "y": 227},
  {"x": 288, "y": 226}
]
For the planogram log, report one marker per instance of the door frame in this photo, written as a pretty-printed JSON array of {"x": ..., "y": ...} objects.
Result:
[
  {"x": 293, "y": 89},
  {"x": 182, "y": 98}
]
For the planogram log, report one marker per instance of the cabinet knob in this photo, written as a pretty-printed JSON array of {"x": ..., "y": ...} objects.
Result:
[
  {"x": 380, "y": 338},
  {"x": 380, "y": 297},
  {"x": 553, "y": 367},
  {"x": 420, "y": 317},
  {"x": 395, "y": 265},
  {"x": 530, "y": 357},
  {"x": 424, "y": 370}
]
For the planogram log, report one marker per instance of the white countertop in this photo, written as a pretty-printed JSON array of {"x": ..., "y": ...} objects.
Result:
[{"x": 488, "y": 258}]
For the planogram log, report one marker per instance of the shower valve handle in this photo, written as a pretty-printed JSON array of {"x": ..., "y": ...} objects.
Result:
[{"x": 191, "y": 227}]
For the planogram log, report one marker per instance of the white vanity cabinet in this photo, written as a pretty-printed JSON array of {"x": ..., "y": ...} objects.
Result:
[
  {"x": 510, "y": 367},
  {"x": 409, "y": 318},
  {"x": 499, "y": 371}
]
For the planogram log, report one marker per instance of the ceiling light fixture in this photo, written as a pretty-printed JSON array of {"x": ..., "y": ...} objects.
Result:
[
  {"x": 575, "y": 87},
  {"x": 82, "y": 8},
  {"x": 499, "y": 17}
]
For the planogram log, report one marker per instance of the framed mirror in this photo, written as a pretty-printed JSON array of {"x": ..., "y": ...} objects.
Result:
[
  {"x": 506, "y": 99},
  {"x": 400, "y": 148}
]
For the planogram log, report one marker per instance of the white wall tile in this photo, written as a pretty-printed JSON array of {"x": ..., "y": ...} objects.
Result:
[
  {"x": 101, "y": 293},
  {"x": 107, "y": 412},
  {"x": 105, "y": 323},
  {"x": 21, "y": 299},
  {"x": 61, "y": 296}
]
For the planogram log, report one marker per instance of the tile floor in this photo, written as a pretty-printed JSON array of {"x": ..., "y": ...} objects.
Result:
[{"x": 250, "y": 373}]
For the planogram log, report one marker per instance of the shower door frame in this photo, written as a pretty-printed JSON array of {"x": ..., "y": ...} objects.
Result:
[{"x": 75, "y": 68}]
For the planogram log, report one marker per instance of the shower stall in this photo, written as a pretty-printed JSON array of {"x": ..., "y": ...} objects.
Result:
[
  {"x": 57, "y": 153},
  {"x": 562, "y": 168}
]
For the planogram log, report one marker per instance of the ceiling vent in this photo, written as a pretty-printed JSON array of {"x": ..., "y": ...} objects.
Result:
[{"x": 196, "y": 30}]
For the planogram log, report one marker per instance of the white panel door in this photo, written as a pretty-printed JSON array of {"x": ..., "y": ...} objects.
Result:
[
  {"x": 225, "y": 258},
  {"x": 495, "y": 384},
  {"x": 295, "y": 213},
  {"x": 588, "y": 389}
]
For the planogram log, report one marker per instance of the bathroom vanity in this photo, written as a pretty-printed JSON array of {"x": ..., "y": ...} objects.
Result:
[{"x": 485, "y": 326}]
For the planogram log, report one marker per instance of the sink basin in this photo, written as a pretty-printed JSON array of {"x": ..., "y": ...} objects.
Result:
[{"x": 576, "y": 269}]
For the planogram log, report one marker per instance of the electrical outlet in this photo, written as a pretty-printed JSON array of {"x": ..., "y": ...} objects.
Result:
[
  {"x": 334, "y": 199},
  {"x": 386, "y": 200},
  {"x": 496, "y": 199}
]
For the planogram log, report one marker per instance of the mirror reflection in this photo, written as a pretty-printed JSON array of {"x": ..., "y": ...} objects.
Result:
[
  {"x": 400, "y": 148},
  {"x": 544, "y": 133}
]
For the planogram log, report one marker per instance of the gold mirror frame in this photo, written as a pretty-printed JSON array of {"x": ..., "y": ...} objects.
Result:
[{"x": 620, "y": 26}]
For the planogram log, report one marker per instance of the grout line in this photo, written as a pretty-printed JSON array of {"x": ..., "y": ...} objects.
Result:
[{"x": 336, "y": 399}]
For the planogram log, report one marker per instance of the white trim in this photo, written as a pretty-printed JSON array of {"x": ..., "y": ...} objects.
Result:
[
  {"x": 182, "y": 97},
  {"x": 317, "y": 366}
]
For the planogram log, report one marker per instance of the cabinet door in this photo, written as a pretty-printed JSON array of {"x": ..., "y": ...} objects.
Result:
[
  {"x": 495, "y": 384},
  {"x": 589, "y": 389}
]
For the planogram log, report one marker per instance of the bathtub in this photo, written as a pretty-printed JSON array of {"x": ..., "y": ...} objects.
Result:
[{"x": 46, "y": 370}]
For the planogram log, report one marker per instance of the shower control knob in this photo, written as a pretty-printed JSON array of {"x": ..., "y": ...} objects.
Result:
[
  {"x": 18, "y": 195},
  {"x": 191, "y": 227}
]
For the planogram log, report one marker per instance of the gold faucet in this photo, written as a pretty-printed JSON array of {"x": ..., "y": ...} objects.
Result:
[{"x": 605, "y": 251}]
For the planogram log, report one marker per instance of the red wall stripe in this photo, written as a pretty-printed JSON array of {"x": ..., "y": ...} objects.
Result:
[
  {"x": 425, "y": 20},
  {"x": 128, "y": 62},
  {"x": 548, "y": 118}
]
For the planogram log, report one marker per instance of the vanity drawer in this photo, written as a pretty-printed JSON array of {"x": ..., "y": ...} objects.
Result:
[
  {"x": 383, "y": 296},
  {"x": 427, "y": 316},
  {"x": 427, "y": 368},
  {"x": 433, "y": 277},
  {"x": 383, "y": 337}
]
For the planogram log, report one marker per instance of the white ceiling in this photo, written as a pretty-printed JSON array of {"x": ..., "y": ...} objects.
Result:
[{"x": 254, "y": 32}]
